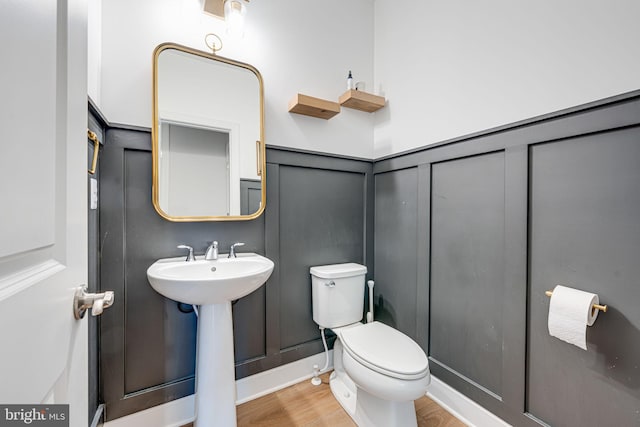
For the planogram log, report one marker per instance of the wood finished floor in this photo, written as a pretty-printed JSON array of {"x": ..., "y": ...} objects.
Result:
[{"x": 306, "y": 405}]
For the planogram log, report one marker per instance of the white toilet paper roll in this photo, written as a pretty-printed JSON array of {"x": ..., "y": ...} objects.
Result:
[{"x": 570, "y": 312}]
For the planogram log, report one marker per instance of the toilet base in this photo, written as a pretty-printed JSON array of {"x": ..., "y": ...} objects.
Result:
[{"x": 365, "y": 409}]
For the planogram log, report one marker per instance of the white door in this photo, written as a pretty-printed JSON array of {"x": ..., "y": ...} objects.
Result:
[{"x": 43, "y": 226}]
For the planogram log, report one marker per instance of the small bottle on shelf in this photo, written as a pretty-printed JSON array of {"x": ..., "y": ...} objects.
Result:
[{"x": 349, "y": 81}]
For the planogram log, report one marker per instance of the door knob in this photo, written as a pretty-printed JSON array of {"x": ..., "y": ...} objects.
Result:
[{"x": 82, "y": 301}]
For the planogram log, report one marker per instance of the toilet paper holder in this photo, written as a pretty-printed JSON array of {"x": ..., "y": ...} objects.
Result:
[{"x": 600, "y": 307}]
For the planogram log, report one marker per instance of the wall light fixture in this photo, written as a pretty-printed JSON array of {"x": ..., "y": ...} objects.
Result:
[{"x": 232, "y": 11}]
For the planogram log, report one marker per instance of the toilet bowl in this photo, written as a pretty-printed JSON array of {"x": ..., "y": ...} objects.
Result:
[{"x": 378, "y": 370}]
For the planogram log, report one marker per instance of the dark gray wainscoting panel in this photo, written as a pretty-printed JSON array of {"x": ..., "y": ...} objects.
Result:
[
  {"x": 467, "y": 267},
  {"x": 150, "y": 318},
  {"x": 511, "y": 212},
  {"x": 147, "y": 343},
  {"x": 322, "y": 215},
  {"x": 319, "y": 210},
  {"x": 585, "y": 233},
  {"x": 93, "y": 279},
  {"x": 396, "y": 237},
  {"x": 321, "y": 222},
  {"x": 250, "y": 196}
]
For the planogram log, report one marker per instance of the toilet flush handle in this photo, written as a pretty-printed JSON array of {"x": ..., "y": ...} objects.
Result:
[{"x": 330, "y": 284}]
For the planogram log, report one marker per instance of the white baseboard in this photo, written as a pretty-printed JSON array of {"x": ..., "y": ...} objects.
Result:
[
  {"x": 460, "y": 406},
  {"x": 171, "y": 414},
  {"x": 180, "y": 412}
]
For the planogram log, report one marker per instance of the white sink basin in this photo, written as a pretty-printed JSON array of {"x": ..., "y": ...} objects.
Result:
[
  {"x": 209, "y": 282},
  {"x": 212, "y": 285}
]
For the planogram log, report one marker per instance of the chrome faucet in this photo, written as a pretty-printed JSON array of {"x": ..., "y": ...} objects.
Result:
[
  {"x": 212, "y": 251},
  {"x": 190, "y": 257},
  {"x": 232, "y": 251}
]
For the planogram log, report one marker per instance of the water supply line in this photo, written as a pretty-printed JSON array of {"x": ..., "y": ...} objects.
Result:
[
  {"x": 316, "y": 372},
  {"x": 370, "y": 313}
]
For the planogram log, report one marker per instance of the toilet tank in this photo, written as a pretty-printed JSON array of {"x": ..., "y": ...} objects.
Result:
[{"x": 337, "y": 293}]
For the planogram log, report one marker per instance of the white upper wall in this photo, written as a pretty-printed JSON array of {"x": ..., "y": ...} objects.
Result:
[
  {"x": 447, "y": 68},
  {"x": 298, "y": 46},
  {"x": 94, "y": 49},
  {"x": 450, "y": 68}
]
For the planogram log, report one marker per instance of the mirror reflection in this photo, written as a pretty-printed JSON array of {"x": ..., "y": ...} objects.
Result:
[{"x": 207, "y": 137}]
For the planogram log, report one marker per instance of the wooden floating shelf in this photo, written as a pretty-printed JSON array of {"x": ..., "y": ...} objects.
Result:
[
  {"x": 362, "y": 101},
  {"x": 314, "y": 107}
]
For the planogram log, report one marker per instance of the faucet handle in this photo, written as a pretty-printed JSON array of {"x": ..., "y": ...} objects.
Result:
[
  {"x": 190, "y": 257},
  {"x": 232, "y": 251}
]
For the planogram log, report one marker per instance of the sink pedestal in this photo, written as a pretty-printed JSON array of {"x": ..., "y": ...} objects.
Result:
[
  {"x": 215, "y": 367},
  {"x": 212, "y": 284}
]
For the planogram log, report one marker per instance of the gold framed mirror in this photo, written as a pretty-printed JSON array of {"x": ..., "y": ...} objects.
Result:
[{"x": 207, "y": 137}]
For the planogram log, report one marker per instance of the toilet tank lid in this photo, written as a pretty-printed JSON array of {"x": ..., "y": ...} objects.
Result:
[{"x": 336, "y": 271}]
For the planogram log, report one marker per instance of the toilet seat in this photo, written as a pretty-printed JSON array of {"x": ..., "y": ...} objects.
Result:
[{"x": 385, "y": 350}]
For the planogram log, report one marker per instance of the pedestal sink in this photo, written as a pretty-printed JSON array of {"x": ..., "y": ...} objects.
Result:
[{"x": 212, "y": 285}]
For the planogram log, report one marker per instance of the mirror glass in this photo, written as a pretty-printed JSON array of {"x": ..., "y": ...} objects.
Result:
[{"x": 208, "y": 149}]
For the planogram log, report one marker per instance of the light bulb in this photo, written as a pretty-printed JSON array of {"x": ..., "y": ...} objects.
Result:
[{"x": 234, "y": 12}]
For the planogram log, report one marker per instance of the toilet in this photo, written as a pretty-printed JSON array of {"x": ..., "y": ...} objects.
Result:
[{"x": 378, "y": 370}]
